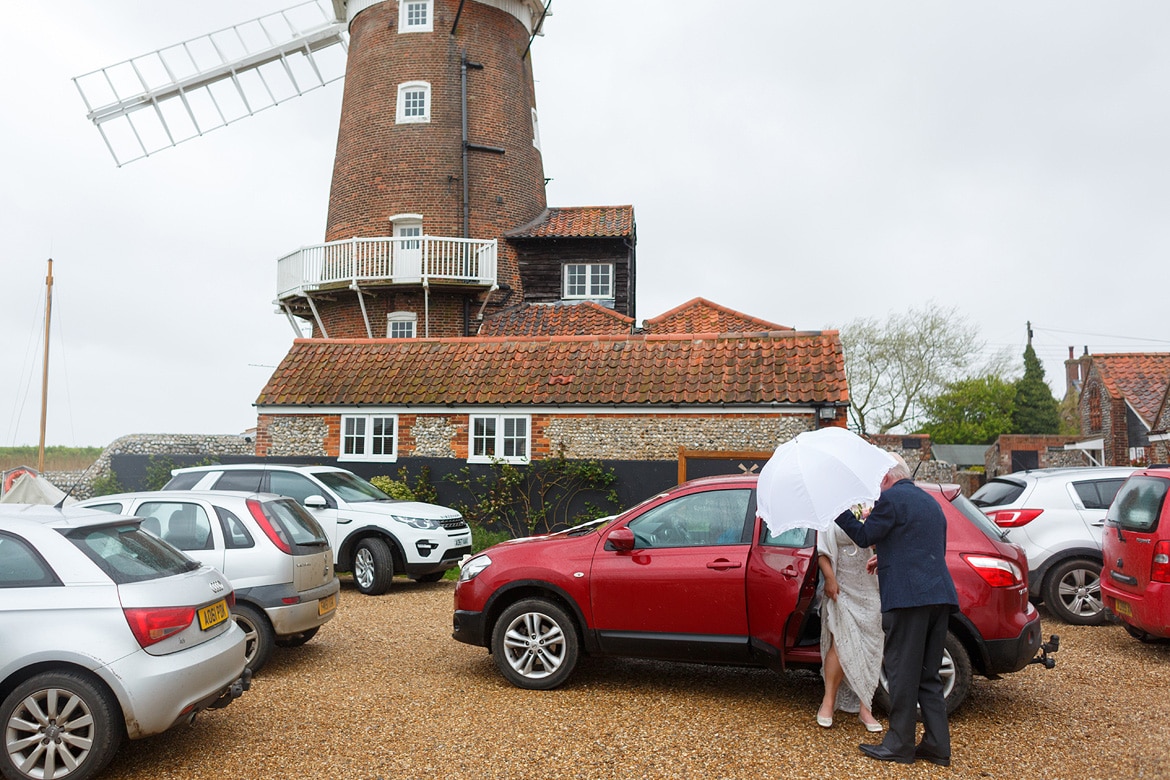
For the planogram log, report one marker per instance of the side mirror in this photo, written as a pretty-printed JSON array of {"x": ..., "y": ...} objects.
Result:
[
  {"x": 316, "y": 502},
  {"x": 621, "y": 539}
]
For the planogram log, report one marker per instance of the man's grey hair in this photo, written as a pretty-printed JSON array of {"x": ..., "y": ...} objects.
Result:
[{"x": 899, "y": 470}]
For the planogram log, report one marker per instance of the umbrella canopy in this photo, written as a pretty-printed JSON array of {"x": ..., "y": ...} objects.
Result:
[{"x": 816, "y": 476}]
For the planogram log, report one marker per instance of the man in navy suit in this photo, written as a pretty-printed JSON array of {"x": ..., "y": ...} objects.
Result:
[{"x": 909, "y": 530}]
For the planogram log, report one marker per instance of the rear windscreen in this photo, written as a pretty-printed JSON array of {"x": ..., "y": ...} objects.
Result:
[
  {"x": 184, "y": 481},
  {"x": 977, "y": 518},
  {"x": 1139, "y": 504},
  {"x": 128, "y": 554},
  {"x": 296, "y": 523},
  {"x": 997, "y": 492}
]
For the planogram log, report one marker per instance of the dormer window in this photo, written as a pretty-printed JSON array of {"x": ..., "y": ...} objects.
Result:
[
  {"x": 589, "y": 281},
  {"x": 415, "y": 16},
  {"x": 414, "y": 102}
]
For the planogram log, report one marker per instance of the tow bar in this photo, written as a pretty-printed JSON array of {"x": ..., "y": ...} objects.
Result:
[{"x": 1051, "y": 646}]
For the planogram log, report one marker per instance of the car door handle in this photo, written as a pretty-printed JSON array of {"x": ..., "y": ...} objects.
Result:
[
  {"x": 723, "y": 564},
  {"x": 790, "y": 572},
  {"x": 1099, "y": 523}
]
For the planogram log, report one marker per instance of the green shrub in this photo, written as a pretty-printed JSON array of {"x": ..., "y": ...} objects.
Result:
[
  {"x": 536, "y": 498},
  {"x": 401, "y": 489},
  {"x": 106, "y": 485}
]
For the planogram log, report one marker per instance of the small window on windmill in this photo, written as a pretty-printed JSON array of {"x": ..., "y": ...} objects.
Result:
[
  {"x": 401, "y": 324},
  {"x": 414, "y": 102},
  {"x": 415, "y": 16},
  {"x": 535, "y": 130}
]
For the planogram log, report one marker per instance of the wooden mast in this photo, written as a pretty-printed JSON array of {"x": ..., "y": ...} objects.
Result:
[{"x": 45, "y": 368}]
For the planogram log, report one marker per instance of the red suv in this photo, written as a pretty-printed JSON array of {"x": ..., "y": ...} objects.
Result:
[
  {"x": 693, "y": 575},
  {"x": 1135, "y": 579}
]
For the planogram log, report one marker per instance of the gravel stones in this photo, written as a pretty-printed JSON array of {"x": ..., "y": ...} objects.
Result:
[{"x": 384, "y": 692}]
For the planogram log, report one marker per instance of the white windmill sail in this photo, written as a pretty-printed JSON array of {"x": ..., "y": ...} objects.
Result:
[{"x": 158, "y": 100}]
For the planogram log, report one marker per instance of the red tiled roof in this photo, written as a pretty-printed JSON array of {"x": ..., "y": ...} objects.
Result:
[
  {"x": 580, "y": 222},
  {"x": 556, "y": 319},
  {"x": 700, "y": 315},
  {"x": 1139, "y": 378},
  {"x": 789, "y": 367}
]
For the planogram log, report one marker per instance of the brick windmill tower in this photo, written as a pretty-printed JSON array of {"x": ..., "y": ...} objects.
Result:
[{"x": 437, "y": 203}]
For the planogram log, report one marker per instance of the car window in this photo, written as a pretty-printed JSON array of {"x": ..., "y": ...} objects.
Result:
[
  {"x": 997, "y": 492},
  {"x": 235, "y": 535},
  {"x": 350, "y": 487},
  {"x": 181, "y": 523},
  {"x": 297, "y": 524},
  {"x": 295, "y": 486},
  {"x": 114, "y": 508},
  {"x": 714, "y": 517},
  {"x": 977, "y": 518},
  {"x": 1098, "y": 493},
  {"x": 185, "y": 481},
  {"x": 1139, "y": 504},
  {"x": 246, "y": 480},
  {"x": 127, "y": 554},
  {"x": 21, "y": 566},
  {"x": 792, "y": 537}
]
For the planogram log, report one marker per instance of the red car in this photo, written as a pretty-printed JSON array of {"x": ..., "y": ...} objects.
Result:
[
  {"x": 693, "y": 575},
  {"x": 1135, "y": 579}
]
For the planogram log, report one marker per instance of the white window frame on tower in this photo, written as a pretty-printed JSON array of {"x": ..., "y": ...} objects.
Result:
[
  {"x": 409, "y": 14},
  {"x": 413, "y": 89},
  {"x": 364, "y": 437},
  {"x": 494, "y": 437},
  {"x": 401, "y": 325},
  {"x": 535, "y": 130},
  {"x": 591, "y": 287}
]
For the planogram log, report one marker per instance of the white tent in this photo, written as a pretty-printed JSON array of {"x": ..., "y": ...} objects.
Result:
[{"x": 31, "y": 488}]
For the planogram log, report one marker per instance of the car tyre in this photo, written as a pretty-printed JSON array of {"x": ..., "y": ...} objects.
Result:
[
  {"x": 535, "y": 644},
  {"x": 259, "y": 638},
  {"x": 373, "y": 567},
  {"x": 78, "y": 720},
  {"x": 296, "y": 640},
  {"x": 956, "y": 676},
  {"x": 1072, "y": 591},
  {"x": 434, "y": 576}
]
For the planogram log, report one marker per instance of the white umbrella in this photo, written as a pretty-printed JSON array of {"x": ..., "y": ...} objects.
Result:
[{"x": 816, "y": 476}]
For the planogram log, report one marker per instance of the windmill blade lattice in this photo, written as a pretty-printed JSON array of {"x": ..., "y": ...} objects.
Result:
[{"x": 158, "y": 100}]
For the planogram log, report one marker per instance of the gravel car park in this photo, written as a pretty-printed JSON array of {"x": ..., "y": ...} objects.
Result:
[{"x": 385, "y": 693}]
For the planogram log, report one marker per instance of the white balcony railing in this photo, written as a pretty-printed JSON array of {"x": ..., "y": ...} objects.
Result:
[{"x": 414, "y": 260}]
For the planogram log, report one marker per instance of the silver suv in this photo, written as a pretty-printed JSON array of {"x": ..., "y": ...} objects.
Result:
[
  {"x": 373, "y": 535},
  {"x": 275, "y": 554},
  {"x": 105, "y": 633},
  {"x": 1057, "y": 516}
]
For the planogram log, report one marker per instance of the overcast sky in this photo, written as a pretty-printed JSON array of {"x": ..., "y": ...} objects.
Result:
[{"x": 808, "y": 163}]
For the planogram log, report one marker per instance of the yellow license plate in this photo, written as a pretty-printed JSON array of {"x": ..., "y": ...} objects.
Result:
[
  {"x": 327, "y": 604},
  {"x": 213, "y": 615},
  {"x": 1122, "y": 608}
]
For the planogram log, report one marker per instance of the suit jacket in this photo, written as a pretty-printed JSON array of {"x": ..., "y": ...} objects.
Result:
[{"x": 909, "y": 531}]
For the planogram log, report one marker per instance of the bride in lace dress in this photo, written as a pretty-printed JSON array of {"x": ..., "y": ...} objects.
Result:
[{"x": 851, "y": 629}]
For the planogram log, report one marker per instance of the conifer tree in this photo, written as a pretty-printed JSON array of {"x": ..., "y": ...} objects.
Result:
[{"x": 1036, "y": 411}]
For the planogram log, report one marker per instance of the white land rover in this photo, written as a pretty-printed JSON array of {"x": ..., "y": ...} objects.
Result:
[{"x": 372, "y": 535}]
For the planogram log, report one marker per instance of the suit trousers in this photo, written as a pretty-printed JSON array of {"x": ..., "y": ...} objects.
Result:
[{"x": 915, "y": 637}]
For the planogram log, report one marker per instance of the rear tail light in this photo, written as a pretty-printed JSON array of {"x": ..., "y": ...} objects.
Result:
[
  {"x": 154, "y": 624},
  {"x": 996, "y": 572},
  {"x": 1014, "y": 518},
  {"x": 1160, "y": 568},
  {"x": 274, "y": 533}
]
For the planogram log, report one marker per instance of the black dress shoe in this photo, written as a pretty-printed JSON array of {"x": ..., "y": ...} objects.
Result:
[
  {"x": 926, "y": 755},
  {"x": 883, "y": 753}
]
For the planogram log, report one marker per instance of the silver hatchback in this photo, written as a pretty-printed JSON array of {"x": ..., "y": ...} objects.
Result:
[
  {"x": 273, "y": 551},
  {"x": 1057, "y": 516},
  {"x": 108, "y": 633}
]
